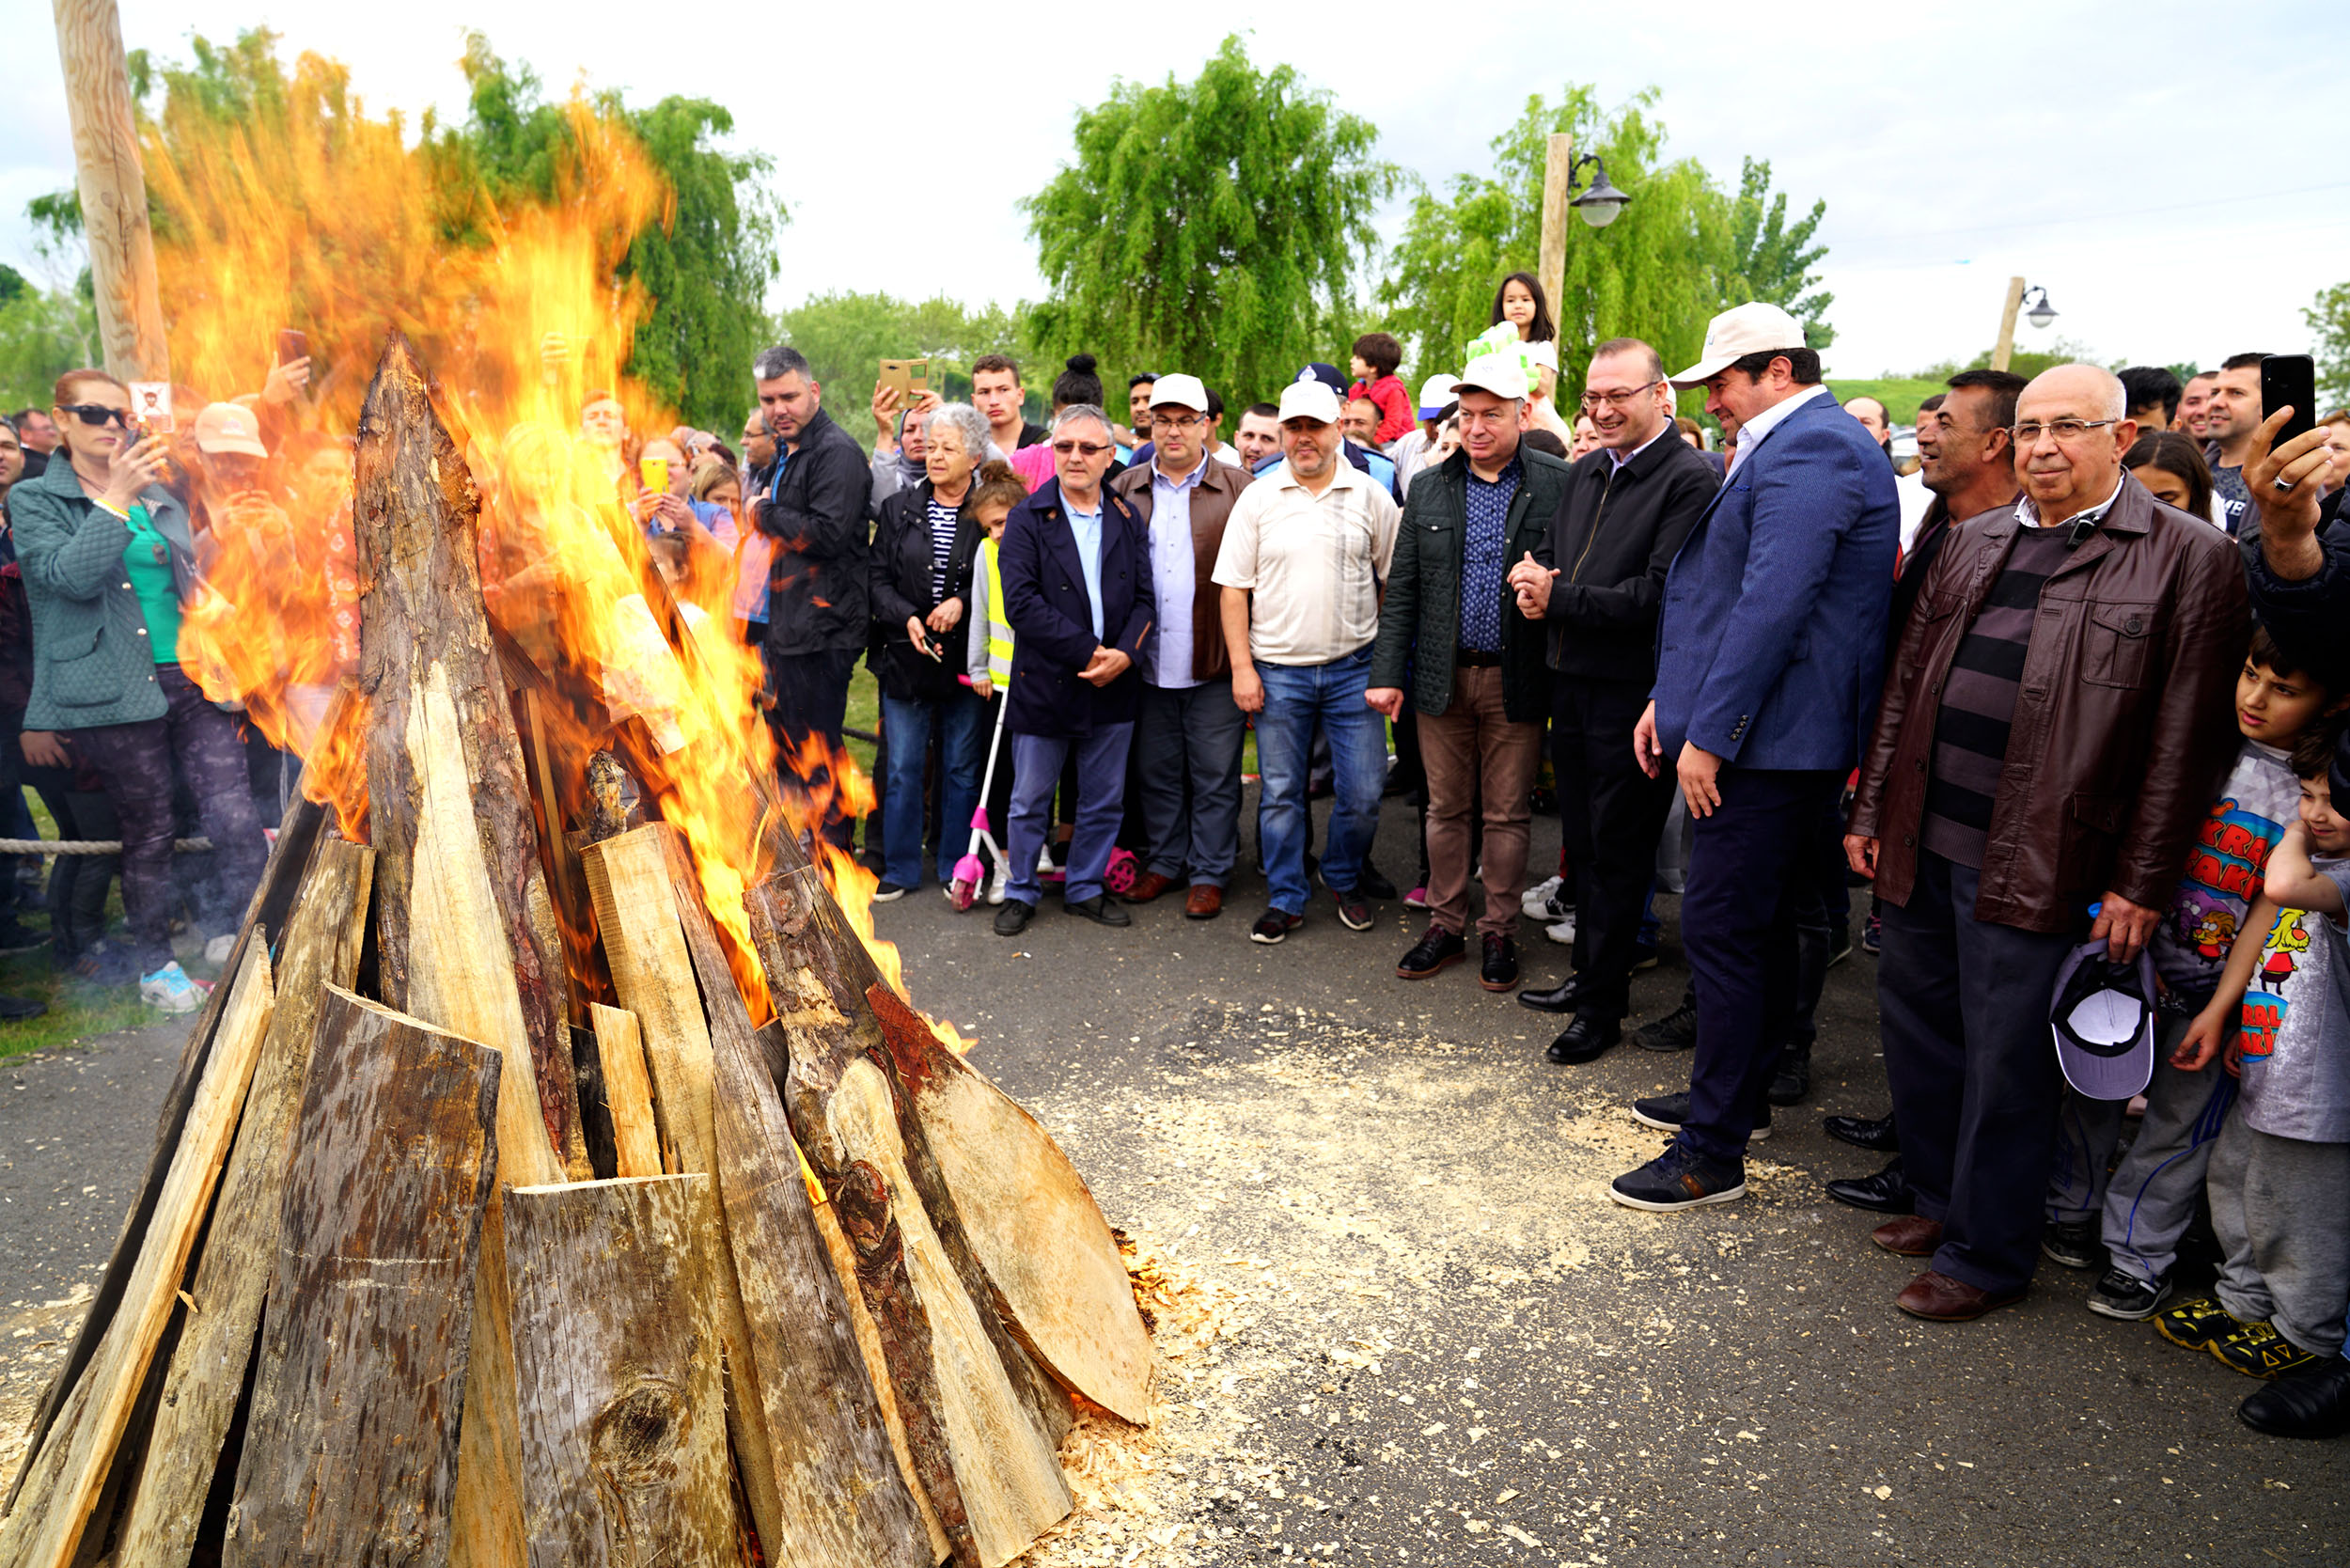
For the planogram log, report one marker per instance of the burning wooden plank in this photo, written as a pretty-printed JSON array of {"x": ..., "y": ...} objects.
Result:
[{"x": 350, "y": 1451}]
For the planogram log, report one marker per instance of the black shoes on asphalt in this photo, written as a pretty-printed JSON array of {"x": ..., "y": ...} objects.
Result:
[
  {"x": 2124, "y": 1295},
  {"x": 2312, "y": 1401},
  {"x": 1667, "y": 1112},
  {"x": 1013, "y": 918},
  {"x": 1675, "y": 1031},
  {"x": 1884, "y": 1192},
  {"x": 1877, "y": 1136},
  {"x": 2074, "y": 1242},
  {"x": 1680, "y": 1178},
  {"x": 1437, "y": 949},
  {"x": 1499, "y": 970},
  {"x": 1587, "y": 1039}
]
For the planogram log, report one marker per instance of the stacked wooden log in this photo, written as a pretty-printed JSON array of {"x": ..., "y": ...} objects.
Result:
[{"x": 395, "y": 1290}]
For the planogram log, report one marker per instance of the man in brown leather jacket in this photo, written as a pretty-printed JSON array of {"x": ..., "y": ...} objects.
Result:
[{"x": 2052, "y": 727}]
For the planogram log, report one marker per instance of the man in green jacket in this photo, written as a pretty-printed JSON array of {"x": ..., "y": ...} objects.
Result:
[{"x": 1478, "y": 678}]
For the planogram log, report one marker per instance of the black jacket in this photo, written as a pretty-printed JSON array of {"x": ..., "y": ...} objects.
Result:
[
  {"x": 900, "y": 581},
  {"x": 816, "y": 513},
  {"x": 1612, "y": 539},
  {"x": 1419, "y": 621},
  {"x": 1051, "y": 615}
]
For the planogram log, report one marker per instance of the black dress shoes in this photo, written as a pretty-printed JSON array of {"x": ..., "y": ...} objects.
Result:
[
  {"x": 1884, "y": 1192},
  {"x": 1878, "y": 1136},
  {"x": 1791, "y": 1081},
  {"x": 1561, "y": 997},
  {"x": 2311, "y": 1401},
  {"x": 1587, "y": 1039}
]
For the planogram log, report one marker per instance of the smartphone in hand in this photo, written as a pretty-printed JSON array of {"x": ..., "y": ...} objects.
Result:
[
  {"x": 2290, "y": 378},
  {"x": 292, "y": 345}
]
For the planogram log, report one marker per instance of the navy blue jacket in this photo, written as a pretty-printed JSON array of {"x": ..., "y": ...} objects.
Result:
[
  {"x": 1771, "y": 642},
  {"x": 1052, "y": 619}
]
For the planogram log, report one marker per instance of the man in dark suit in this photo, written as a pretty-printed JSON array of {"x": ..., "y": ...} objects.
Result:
[
  {"x": 1076, "y": 565},
  {"x": 1771, "y": 643}
]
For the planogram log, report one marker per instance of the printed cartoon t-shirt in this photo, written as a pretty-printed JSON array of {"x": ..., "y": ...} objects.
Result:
[
  {"x": 2224, "y": 871},
  {"x": 2296, "y": 1027}
]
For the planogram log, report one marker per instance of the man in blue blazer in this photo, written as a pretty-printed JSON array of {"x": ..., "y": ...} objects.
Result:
[
  {"x": 1075, "y": 564},
  {"x": 1770, "y": 651}
]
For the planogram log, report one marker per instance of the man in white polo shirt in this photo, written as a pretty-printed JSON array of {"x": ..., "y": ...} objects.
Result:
[{"x": 1302, "y": 557}]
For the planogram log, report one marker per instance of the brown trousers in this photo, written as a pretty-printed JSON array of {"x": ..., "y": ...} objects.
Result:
[{"x": 1470, "y": 750}]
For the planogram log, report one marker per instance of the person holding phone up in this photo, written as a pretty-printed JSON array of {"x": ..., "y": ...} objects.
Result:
[{"x": 108, "y": 564}]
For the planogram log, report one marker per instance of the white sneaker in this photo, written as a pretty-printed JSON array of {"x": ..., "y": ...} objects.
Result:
[
  {"x": 216, "y": 951},
  {"x": 168, "y": 990},
  {"x": 995, "y": 885},
  {"x": 1561, "y": 932},
  {"x": 1539, "y": 895}
]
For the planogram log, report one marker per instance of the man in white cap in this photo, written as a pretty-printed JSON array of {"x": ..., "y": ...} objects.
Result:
[
  {"x": 1479, "y": 679},
  {"x": 1188, "y": 731},
  {"x": 1770, "y": 649},
  {"x": 1303, "y": 557},
  {"x": 1410, "y": 450}
]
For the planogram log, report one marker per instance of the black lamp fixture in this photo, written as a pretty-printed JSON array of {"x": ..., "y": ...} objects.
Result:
[
  {"x": 2042, "y": 312},
  {"x": 1600, "y": 201}
]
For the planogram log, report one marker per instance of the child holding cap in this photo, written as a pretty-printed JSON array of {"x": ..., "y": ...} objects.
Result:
[
  {"x": 2280, "y": 1179},
  {"x": 2197, "y": 950}
]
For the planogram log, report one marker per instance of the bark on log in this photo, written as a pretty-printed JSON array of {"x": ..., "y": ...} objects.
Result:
[
  {"x": 979, "y": 1415},
  {"x": 653, "y": 975},
  {"x": 1057, "y": 1276},
  {"x": 321, "y": 947},
  {"x": 464, "y": 926},
  {"x": 623, "y": 1404},
  {"x": 843, "y": 1498},
  {"x": 46, "y": 1530},
  {"x": 298, "y": 832},
  {"x": 351, "y": 1449},
  {"x": 627, "y": 1092}
]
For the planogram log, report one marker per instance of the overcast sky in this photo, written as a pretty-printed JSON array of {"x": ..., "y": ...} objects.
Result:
[{"x": 2171, "y": 174}]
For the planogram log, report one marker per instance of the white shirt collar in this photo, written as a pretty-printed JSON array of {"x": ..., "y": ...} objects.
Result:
[
  {"x": 2027, "y": 510},
  {"x": 1621, "y": 458},
  {"x": 1750, "y": 435}
]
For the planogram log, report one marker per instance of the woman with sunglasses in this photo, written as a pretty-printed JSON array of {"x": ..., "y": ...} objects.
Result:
[{"x": 108, "y": 563}]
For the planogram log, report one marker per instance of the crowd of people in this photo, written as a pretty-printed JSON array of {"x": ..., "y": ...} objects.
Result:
[{"x": 1997, "y": 693}]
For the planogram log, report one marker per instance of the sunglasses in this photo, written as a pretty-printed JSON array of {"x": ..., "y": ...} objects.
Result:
[
  {"x": 1090, "y": 448},
  {"x": 98, "y": 413}
]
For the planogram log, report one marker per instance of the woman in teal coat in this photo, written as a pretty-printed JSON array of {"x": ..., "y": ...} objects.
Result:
[{"x": 108, "y": 565}]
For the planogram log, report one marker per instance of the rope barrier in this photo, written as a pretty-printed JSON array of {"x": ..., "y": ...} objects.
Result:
[{"x": 90, "y": 846}]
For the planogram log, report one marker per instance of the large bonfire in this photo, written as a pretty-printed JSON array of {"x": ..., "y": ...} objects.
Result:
[{"x": 558, "y": 1173}]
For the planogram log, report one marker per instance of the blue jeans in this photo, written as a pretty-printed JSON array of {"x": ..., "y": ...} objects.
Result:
[
  {"x": 1296, "y": 697},
  {"x": 1101, "y": 803},
  {"x": 959, "y": 721}
]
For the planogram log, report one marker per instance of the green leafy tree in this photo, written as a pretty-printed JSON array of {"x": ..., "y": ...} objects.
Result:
[
  {"x": 1659, "y": 271},
  {"x": 706, "y": 268},
  {"x": 43, "y": 333},
  {"x": 1771, "y": 259},
  {"x": 1215, "y": 226},
  {"x": 2328, "y": 319}
]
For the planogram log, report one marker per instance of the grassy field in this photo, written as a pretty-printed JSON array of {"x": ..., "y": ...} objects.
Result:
[{"x": 1900, "y": 395}]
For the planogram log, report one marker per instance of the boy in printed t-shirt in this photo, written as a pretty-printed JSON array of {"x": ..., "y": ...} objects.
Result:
[
  {"x": 2140, "y": 1213},
  {"x": 2280, "y": 1171}
]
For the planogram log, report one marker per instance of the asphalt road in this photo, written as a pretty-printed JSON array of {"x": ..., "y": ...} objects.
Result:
[{"x": 1453, "y": 1349}]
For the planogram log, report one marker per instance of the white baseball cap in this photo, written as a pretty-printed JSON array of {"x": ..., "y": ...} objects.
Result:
[
  {"x": 229, "y": 428},
  {"x": 1434, "y": 393},
  {"x": 1181, "y": 390},
  {"x": 1501, "y": 374},
  {"x": 1309, "y": 400},
  {"x": 1751, "y": 328}
]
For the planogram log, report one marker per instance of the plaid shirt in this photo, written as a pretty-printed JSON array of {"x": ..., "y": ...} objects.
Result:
[{"x": 1483, "y": 567}]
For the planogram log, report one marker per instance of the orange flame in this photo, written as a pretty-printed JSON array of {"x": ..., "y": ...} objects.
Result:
[{"x": 315, "y": 218}]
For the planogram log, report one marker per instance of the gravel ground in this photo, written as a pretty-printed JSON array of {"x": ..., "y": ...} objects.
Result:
[{"x": 1438, "y": 1342}]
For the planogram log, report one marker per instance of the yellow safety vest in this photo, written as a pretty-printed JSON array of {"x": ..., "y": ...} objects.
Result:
[{"x": 998, "y": 629}]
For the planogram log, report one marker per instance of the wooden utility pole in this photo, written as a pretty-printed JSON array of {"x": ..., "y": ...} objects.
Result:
[
  {"x": 2006, "y": 350},
  {"x": 113, "y": 190},
  {"x": 1558, "y": 175}
]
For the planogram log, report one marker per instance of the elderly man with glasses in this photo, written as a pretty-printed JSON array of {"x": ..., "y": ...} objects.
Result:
[
  {"x": 1594, "y": 584},
  {"x": 1075, "y": 564},
  {"x": 2092, "y": 635}
]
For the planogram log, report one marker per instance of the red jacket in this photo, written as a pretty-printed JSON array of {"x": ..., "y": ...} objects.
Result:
[{"x": 1396, "y": 415}]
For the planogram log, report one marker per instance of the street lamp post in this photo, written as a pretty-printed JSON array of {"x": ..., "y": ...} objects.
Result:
[
  {"x": 1598, "y": 206},
  {"x": 2039, "y": 315}
]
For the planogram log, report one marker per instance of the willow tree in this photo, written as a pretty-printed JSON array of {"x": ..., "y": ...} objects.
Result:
[
  {"x": 1216, "y": 227},
  {"x": 1672, "y": 257}
]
